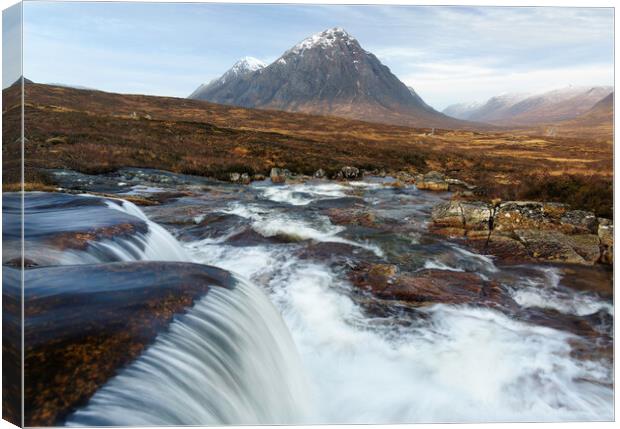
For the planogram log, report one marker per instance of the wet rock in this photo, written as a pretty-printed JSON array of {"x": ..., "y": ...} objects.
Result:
[
  {"x": 606, "y": 236},
  {"x": 360, "y": 217},
  {"x": 258, "y": 177},
  {"x": 319, "y": 174},
  {"x": 84, "y": 322},
  {"x": 455, "y": 185},
  {"x": 277, "y": 175},
  {"x": 507, "y": 249},
  {"x": 243, "y": 178},
  {"x": 347, "y": 173},
  {"x": 429, "y": 286},
  {"x": 579, "y": 222},
  {"x": 405, "y": 177},
  {"x": 432, "y": 181},
  {"x": 467, "y": 215}
]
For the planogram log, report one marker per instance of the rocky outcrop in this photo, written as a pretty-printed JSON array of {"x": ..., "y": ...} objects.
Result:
[
  {"x": 462, "y": 215},
  {"x": 435, "y": 181},
  {"x": 539, "y": 230}
]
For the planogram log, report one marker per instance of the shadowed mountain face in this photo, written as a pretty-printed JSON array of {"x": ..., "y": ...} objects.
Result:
[
  {"x": 522, "y": 109},
  {"x": 328, "y": 73}
]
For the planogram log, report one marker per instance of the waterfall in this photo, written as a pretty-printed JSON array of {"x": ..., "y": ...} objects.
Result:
[{"x": 229, "y": 360}]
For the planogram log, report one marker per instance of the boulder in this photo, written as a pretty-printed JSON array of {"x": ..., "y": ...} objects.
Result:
[
  {"x": 347, "y": 173},
  {"x": 234, "y": 177},
  {"x": 319, "y": 174},
  {"x": 341, "y": 216},
  {"x": 277, "y": 175},
  {"x": 403, "y": 176},
  {"x": 606, "y": 236},
  {"x": 432, "y": 181},
  {"x": 468, "y": 215}
]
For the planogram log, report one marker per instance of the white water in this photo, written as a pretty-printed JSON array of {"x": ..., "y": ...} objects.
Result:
[
  {"x": 463, "y": 365},
  {"x": 231, "y": 360},
  {"x": 548, "y": 294},
  {"x": 271, "y": 224}
]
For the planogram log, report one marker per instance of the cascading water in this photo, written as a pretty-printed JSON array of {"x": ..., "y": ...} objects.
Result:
[
  {"x": 232, "y": 360},
  {"x": 229, "y": 360}
]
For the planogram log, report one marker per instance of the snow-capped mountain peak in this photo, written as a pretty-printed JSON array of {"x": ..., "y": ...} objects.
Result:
[
  {"x": 325, "y": 39},
  {"x": 247, "y": 65}
]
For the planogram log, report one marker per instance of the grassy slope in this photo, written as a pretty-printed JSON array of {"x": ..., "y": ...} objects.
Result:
[{"x": 94, "y": 131}]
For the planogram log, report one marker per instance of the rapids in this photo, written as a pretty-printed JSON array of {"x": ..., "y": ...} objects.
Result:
[{"x": 296, "y": 343}]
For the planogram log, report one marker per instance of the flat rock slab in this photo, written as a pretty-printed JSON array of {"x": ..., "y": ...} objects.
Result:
[
  {"x": 48, "y": 231},
  {"x": 84, "y": 322},
  {"x": 428, "y": 286}
]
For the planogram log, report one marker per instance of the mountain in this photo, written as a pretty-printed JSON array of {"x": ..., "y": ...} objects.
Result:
[
  {"x": 241, "y": 68},
  {"x": 599, "y": 120},
  {"x": 522, "y": 109},
  {"x": 328, "y": 73}
]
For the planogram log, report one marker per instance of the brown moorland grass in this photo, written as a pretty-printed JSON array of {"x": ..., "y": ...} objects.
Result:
[{"x": 96, "y": 132}]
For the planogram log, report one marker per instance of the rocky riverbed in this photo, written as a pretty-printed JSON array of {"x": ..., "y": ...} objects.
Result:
[{"x": 382, "y": 287}]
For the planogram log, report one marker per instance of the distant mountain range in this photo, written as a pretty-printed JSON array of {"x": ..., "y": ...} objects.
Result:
[
  {"x": 527, "y": 109},
  {"x": 328, "y": 73}
]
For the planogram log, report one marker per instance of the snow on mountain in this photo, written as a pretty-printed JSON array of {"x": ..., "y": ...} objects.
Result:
[{"x": 328, "y": 73}]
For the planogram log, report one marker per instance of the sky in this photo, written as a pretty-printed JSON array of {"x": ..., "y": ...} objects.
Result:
[{"x": 447, "y": 54}]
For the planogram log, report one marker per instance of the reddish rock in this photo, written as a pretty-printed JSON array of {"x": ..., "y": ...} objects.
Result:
[
  {"x": 428, "y": 287},
  {"x": 351, "y": 217}
]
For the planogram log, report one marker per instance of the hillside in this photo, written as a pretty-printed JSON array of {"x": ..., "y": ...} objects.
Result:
[{"x": 98, "y": 132}]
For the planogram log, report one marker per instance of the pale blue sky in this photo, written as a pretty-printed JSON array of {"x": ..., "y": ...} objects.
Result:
[{"x": 448, "y": 54}]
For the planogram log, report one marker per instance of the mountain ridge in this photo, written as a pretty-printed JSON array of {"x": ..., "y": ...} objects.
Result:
[
  {"x": 329, "y": 73},
  {"x": 532, "y": 109}
]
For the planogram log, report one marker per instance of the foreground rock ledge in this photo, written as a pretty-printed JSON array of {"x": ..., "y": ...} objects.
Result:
[
  {"x": 84, "y": 322},
  {"x": 528, "y": 229}
]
